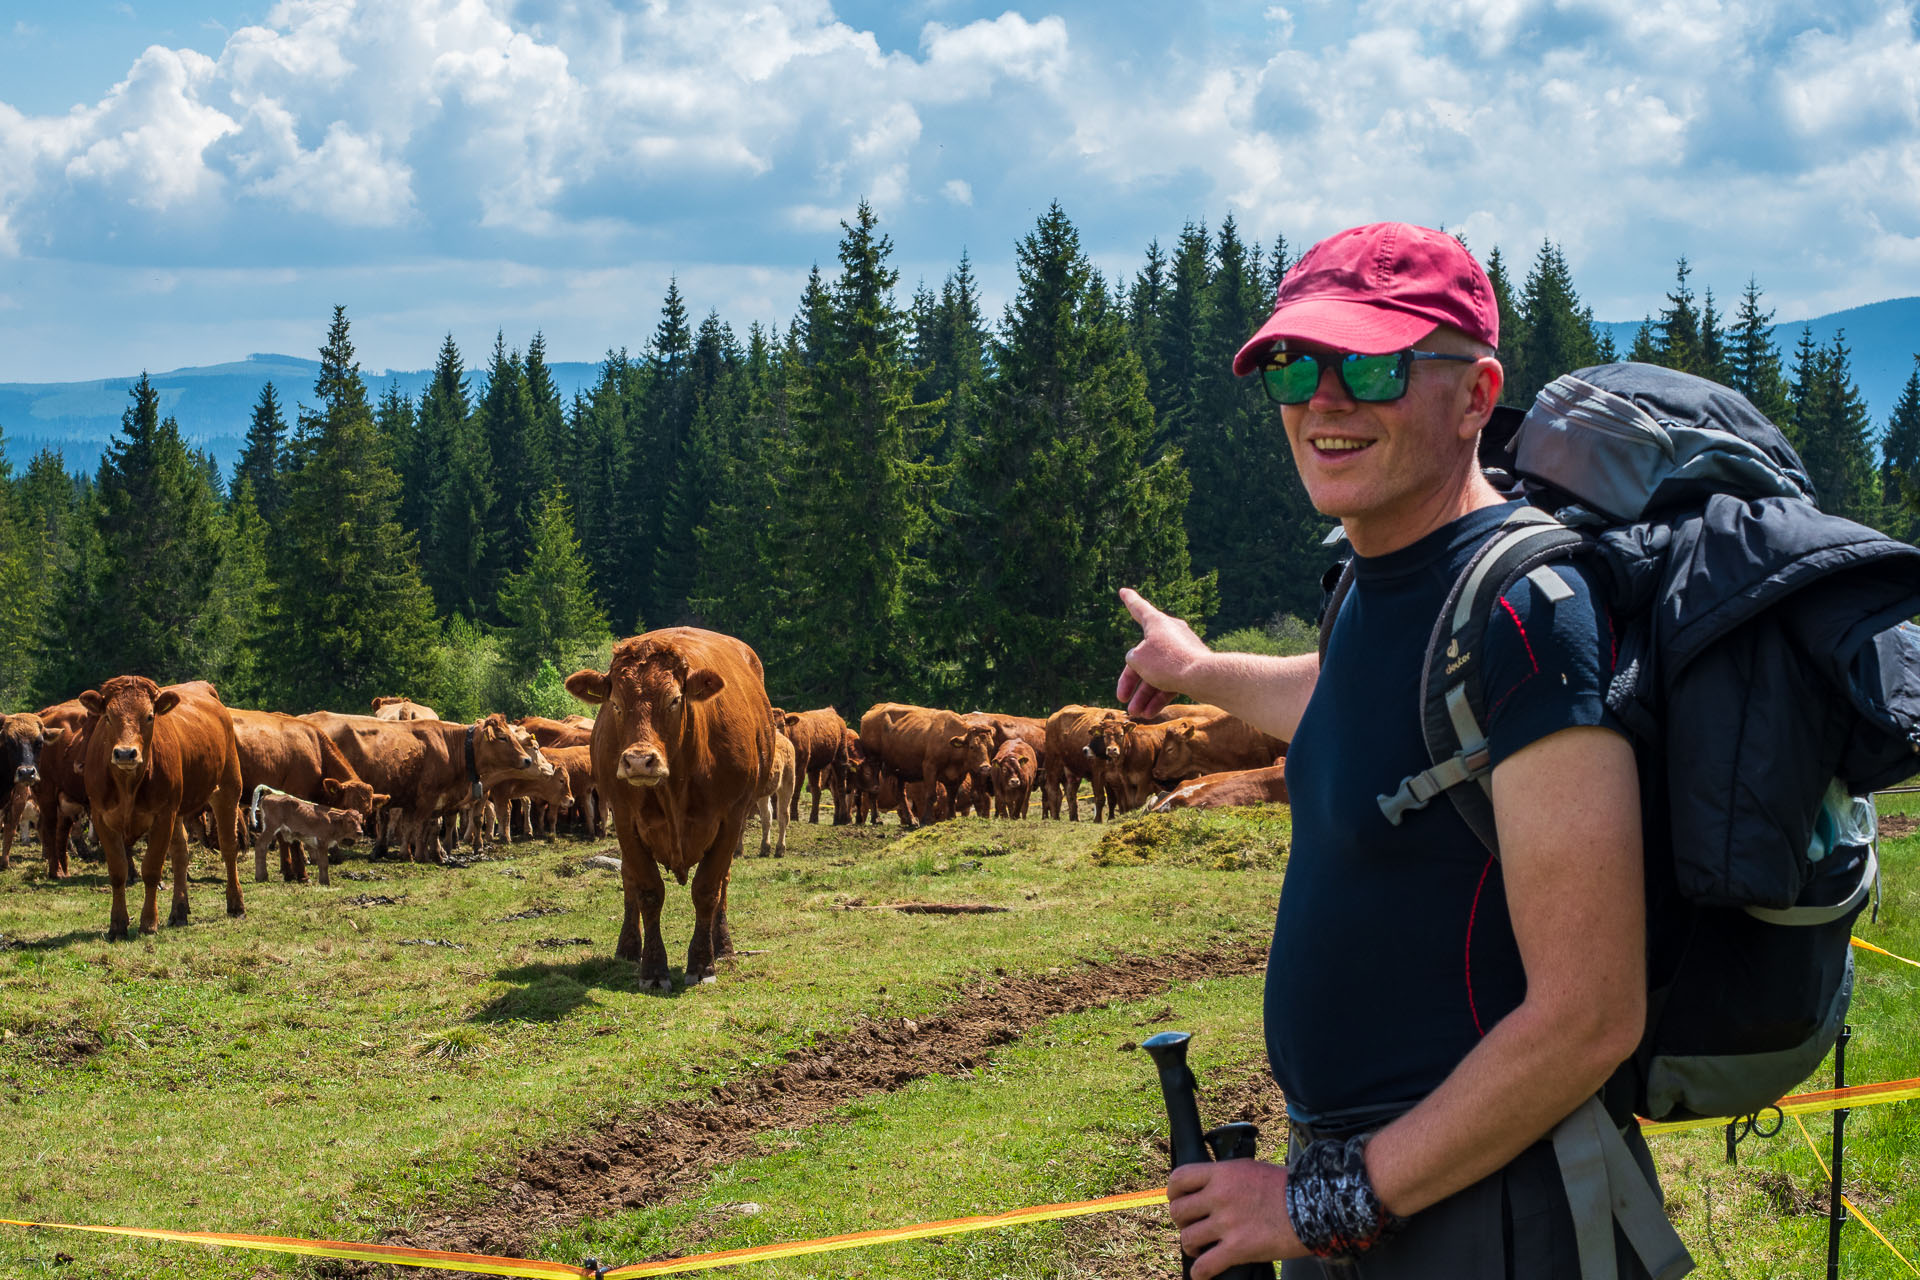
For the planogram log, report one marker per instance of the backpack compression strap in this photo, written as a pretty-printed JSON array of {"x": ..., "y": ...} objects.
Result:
[{"x": 1452, "y": 701}]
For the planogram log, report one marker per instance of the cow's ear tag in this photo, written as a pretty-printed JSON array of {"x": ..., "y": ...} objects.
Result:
[{"x": 166, "y": 702}]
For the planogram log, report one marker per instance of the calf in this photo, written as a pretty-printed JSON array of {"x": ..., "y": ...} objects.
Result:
[
  {"x": 278, "y": 816},
  {"x": 782, "y": 786},
  {"x": 1014, "y": 767},
  {"x": 819, "y": 742},
  {"x": 549, "y": 793}
]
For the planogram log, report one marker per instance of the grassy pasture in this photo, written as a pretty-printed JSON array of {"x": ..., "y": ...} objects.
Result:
[{"x": 326, "y": 1067}]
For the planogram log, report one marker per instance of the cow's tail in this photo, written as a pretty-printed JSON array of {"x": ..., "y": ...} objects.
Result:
[{"x": 253, "y": 815}]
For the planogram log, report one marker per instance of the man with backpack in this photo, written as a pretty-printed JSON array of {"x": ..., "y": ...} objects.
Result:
[{"x": 1440, "y": 1017}]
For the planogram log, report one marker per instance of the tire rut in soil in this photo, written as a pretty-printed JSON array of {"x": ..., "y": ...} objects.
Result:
[{"x": 665, "y": 1152}]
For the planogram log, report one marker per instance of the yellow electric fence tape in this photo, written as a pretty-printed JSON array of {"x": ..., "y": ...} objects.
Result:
[
  {"x": 861, "y": 1239},
  {"x": 1861, "y": 1095},
  {"x": 1853, "y": 1208},
  {"x": 1864, "y": 945},
  {"x": 485, "y": 1264}
]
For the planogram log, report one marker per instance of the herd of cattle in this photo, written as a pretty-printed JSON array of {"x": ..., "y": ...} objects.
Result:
[{"x": 685, "y": 749}]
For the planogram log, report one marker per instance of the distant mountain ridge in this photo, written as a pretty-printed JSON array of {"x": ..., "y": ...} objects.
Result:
[
  {"x": 1883, "y": 338},
  {"x": 214, "y": 402}
]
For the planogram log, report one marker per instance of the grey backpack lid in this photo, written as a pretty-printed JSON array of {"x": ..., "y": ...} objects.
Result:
[{"x": 1626, "y": 439}]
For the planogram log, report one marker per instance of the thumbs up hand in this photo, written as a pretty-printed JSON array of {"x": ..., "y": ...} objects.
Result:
[{"x": 1162, "y": 662}]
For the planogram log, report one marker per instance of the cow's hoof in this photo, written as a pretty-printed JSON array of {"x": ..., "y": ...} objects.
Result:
[
  {"x": 178, "y": 915},
  {"x": 240, "y": 913},
  {"x": 116, "y": 933},
  {"x": 709, "y": 979},
  {"x": 656, "y": 984}
]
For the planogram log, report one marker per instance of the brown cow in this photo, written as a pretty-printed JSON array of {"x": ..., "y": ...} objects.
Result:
[
  {"x": 1014, "y": 768},
  {"x": 155, "y": 756},
  {"x": 280, "y": 817},
  {"x": 781, "y": 787},
  {"x": 682, "y": 745},
  {"x": 819, "y": 741},
  {"x": 22, "y": 739},
  {"x": 430, "y": 768},
  {"x": 1220, "y": 744},
  {"x": 61, "y": 792},
  {"x": 293, "y": 757},
  {"x": 1076, "y": 735},
  {"x": 402, "y": 709},
  {"x": 1223, "y": 790},
  {"x": 927, "y": 746},
  {"x": 556, "y": 733},
  {"x": 859, "y": 779}
]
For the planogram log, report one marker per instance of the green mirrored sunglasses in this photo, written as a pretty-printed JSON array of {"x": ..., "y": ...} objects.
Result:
[{"x": 1291, "y": 377}]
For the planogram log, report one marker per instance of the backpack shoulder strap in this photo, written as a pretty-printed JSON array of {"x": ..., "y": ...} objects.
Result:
[
  {"x": 1452, "y": 701},
  {"x": 1342, "y": 575}
]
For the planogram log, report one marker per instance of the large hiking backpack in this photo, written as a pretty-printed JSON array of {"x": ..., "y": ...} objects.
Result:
[{"x": 1755, "y": 725}]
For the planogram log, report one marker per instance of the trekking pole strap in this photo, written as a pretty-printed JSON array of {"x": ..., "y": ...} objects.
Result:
[{"x": 1605, "y": 1185}]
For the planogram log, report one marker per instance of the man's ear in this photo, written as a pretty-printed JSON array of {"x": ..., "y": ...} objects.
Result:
[{"x": 589, "y": 686}]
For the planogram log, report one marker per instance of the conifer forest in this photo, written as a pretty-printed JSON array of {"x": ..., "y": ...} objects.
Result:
[{"x": 899, "y": 495}]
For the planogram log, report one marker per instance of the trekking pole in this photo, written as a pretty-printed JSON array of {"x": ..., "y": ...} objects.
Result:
[
  {"x": 1836, "y": 1209},
  {"x": 1188, "y": 1143}
]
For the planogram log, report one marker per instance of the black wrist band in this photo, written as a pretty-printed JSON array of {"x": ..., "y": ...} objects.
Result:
[{"x": 1331, "y": 1202}]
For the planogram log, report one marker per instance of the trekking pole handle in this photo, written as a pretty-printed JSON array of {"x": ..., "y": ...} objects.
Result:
[{"x": 1169, "y": 1053}]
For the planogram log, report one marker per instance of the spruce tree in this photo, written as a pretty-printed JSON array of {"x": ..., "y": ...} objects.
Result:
[
  {"x": 260, "y": 459},
  {"x": 547, "y": 608},
  {"x": 1678, "y": 344},
  {"x": 744, "y": 564},
  {"x": 461, "y": 552},
  {"x": 1187, "y": 342},
  {"x": 1560, "y": 330},
  {"x": 596, "y": 453},
  {"x": 159, "y": 541},
  {"x": 949, "y": 350},
  {"x": 235, "y": 625},
  {"x": 1146, "y": 303},
  {"x": 662, "y": 420},
  {"x": 445, "y": 409},
  {"x": 1900, "y": 461},
  {"x": 1059, "y": 503},
  {"x": 393, "y": 421},
  {"x": 859, "y": 495},
  {"x": 1835, "y": 432},
  {"x": 1279, "y": 262},
  {"x": 347, "y": 616},
  {"x": 19, "y": 612},
  {"x": 1514, "y": 335},
  {"x": 520, "y": 463},
  {"x": 1753, "y": 360},
  {"x": 1714, "y": 361},
  {"x": 713, "y": 370}
]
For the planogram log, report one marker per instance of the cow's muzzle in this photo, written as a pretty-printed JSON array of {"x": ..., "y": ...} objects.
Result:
[
  {"x": 126, "y": 757},
  {"x": 643, "y": 767},
  {"x": 26, "y": 773}
]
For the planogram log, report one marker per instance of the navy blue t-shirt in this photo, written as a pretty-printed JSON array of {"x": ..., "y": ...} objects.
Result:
[{"x": 1392, "y": 951}]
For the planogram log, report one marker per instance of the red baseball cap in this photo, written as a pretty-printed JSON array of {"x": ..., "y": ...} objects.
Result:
[{"x": 1378, "y": 288}]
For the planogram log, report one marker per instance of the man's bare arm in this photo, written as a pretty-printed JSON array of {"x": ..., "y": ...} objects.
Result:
[
  {"x": 1568, "y": 812},
  {"x": 1269, "y": 693}
]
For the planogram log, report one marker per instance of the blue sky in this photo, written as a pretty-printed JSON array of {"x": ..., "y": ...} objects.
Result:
[{"x": 184, "y": 183}]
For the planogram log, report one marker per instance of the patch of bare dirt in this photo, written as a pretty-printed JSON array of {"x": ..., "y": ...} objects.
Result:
[
  {"x": 657, "y": 1155},
  {"x": 1895, "y": 825}
]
